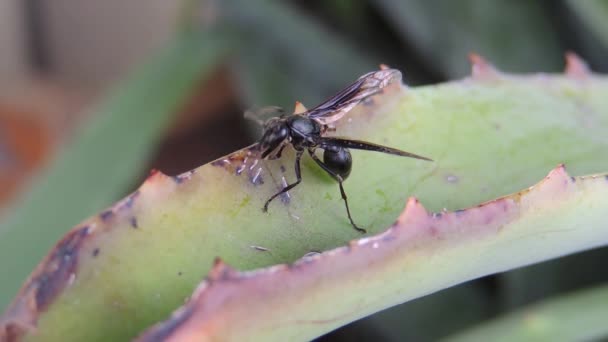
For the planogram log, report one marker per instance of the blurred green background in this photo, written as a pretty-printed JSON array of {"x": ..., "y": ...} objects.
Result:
[{"x": 95, "y": 94}]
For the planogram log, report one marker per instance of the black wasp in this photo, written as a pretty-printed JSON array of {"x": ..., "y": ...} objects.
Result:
[{"x": 305, "y": 133}]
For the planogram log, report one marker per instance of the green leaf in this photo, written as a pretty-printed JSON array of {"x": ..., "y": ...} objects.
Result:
[
  {"x": 594, "y": 14},
  {"x": 420, "y": 254},
  {"x": 105, "y": 157},
  {"x": 580, "y": 316}
]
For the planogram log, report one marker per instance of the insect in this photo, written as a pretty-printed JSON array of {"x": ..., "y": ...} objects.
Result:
[{"x": 305, "y": 132}]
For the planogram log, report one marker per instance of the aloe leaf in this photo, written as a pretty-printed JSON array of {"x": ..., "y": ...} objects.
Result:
[
  {"x": 104, "y": 158},
  {"x": 490, "y": 135},
  {"x": 580, "y": 316},
  {"x": 421, "y": 253},
  {"x": 587, "y": 29},
  {"x": 594, "y": 13}
]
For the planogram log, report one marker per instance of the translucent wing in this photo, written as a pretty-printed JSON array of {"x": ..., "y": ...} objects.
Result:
[
  {"x": 367, "y": 85},
  {"x": 367, "y": 146},
  {"x": 263, "y": 114}
]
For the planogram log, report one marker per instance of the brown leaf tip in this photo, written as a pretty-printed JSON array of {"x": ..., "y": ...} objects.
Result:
[
  {"x": 576, "y": 67},
  {"x": 154, "y": 175},
  {"x": 384, "y": 67},
  {"x": 558, "y": 172},
  {"x": 559, "y": 176},
  {"x": 221, "y": 271},
  {"x": 482, "y": 69},
  {"x": 413, "y": 210}
]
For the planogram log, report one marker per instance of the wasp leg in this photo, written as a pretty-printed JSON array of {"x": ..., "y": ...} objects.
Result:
[
  {"x": 342, "y": 192},
  {"x": 280, "y": 151},
  {"x": 277, "y": 155},
  {"x": 290, "y": 186}
]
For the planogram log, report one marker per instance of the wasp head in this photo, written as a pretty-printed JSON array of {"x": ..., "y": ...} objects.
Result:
[{"x": 276, "y": 131}]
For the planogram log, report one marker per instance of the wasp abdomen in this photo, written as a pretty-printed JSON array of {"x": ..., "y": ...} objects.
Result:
[{"x": 338, "y": 160}]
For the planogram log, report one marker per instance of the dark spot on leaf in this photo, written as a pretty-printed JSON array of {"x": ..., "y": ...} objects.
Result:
[
  {"x": 573, "y": 179},
  {"x": 388, "y": 238},
  {"x": 106, "y": 215},
  {"x": 437, "y": 215},
  {"x": 459, "y": 212},
  {"x": 58, "y": 269},
  {"x": 179, "y": 273},
  {"x": 95, "y": 252},
  {"x": 133, "y": 222},
  {"x": 128, "y": 203},
  {"x": 283, "y": 169}
]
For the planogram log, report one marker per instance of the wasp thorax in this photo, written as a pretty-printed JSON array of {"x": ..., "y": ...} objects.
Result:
[{"x": 303, "y": 129}]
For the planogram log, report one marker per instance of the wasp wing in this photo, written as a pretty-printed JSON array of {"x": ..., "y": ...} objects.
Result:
[
  {"x": 364, "y": 145},
  {"x": 263, "y": 114},
  {"x": 367, "y": 85}
]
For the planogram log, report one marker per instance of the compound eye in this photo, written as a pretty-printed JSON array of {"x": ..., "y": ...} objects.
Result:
[{"x": 338, "y": 160}]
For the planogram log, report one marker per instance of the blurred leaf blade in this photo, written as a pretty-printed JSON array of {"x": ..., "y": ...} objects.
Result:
[
  {"x": 595, "y": 15},
  {"x": 580, "y": 316},
  {"x": 105, "y": 158},
  {"x": 287, "y": 45},
  {"x": 516, "y": 35},
  {"x": 417, "y": 320}
]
